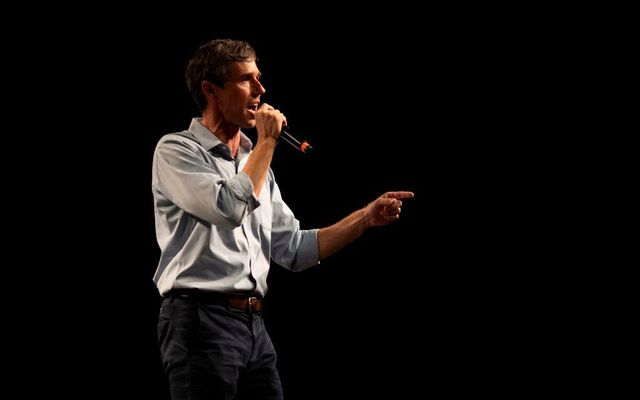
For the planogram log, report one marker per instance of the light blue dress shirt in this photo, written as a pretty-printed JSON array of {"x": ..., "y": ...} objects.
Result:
[{"x": 214, "y": 233}]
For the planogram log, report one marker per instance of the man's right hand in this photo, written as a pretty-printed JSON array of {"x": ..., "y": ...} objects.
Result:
[{"x": 269, "y": 122}]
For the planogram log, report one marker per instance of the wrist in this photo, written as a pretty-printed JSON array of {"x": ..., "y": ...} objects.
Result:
[
  {"x": 365, "y": 218},
  {"x": 268, "y": 143}
]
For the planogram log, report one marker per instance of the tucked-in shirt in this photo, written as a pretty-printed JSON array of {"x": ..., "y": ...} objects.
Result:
[{"x": 214, "y": 233}]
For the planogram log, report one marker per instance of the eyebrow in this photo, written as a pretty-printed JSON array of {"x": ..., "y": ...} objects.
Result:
[{"x": 250, "y": 75}]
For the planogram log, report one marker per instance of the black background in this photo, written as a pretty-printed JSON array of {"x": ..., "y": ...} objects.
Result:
[{"x": 450, "y": 298}]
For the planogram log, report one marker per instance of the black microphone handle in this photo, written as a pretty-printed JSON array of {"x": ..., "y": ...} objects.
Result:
[{"x": 303, "y": 147}]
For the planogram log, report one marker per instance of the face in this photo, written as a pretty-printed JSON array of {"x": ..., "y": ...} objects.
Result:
[{"x": 239, "y": 98}]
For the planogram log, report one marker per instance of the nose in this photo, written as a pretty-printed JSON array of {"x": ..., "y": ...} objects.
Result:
[{"x": 258, "y": 89}]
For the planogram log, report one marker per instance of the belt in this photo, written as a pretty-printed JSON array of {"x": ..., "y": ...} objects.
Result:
[
  {"x": 252, "y": 303},
  {"x": 242, "y": 302}
]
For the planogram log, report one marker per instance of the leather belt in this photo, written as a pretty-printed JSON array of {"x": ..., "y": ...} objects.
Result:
[
  {"x": 241, "y": 302},
  {"x": 253, "y": 303}
]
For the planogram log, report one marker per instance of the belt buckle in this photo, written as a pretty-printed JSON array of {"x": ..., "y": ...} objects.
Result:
[{"x": 251, "y": 302}]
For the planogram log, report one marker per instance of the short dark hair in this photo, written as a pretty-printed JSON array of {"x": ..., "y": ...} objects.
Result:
[{"x": 210, "y": 63}]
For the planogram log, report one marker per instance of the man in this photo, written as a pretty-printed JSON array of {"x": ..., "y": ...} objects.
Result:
[{"x": 220, "y": 219}]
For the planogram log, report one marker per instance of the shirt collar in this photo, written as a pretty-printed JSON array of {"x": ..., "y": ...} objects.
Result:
[{"x": 209, "y": 141}]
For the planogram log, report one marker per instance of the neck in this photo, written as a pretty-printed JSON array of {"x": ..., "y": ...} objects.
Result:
[{"x": 228, "y": 134}]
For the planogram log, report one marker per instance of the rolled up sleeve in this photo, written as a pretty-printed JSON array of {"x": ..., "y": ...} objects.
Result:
[
  {"x": 292, "y": 247},
  {"x": 182, "y": 175}
]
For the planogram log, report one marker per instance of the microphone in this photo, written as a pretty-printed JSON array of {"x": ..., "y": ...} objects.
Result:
[{"x": 304, "y": 146}]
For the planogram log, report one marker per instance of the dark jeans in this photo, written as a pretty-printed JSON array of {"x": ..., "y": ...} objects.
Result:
[{"x": 210, "y": 351}]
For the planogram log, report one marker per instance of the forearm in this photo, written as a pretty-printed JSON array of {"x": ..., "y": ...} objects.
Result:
[
  {"x": 382, "y": 211},
  {"x": 335, "y": 237},
  {"x": 257, "y": 166}
]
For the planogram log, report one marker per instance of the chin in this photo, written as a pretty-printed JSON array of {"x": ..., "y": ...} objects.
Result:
[{"x": 249, "y": 124}]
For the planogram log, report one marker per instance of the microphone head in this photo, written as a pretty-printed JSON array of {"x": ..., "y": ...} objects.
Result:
[{"x": 305, "y": 147}]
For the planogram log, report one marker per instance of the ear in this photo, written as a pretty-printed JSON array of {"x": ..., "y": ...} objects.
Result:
[{"x": 208, "y": 89}]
